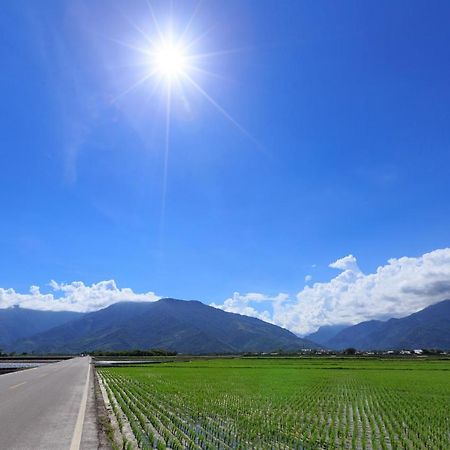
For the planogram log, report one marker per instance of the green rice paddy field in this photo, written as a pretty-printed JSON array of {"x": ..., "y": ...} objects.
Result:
[{"x": 295, "y": 403}]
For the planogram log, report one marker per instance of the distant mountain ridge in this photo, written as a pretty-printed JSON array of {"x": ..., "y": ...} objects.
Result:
[
  {"x": 325, "y": 333},
  {"x": 18, "y": 323},
  {"x": 193, "y": 327},
  {"x": 178, "y": 325},
  {"x": 428, "y": 328}
]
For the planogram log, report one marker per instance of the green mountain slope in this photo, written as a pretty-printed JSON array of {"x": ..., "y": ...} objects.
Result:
[
  {"x": 182, "y": 326},
  {"x": 428, "y": 328},
  {"x": 18, "y": 323}
]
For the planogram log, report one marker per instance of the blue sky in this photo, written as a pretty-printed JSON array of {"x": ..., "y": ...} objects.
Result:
[{"x": 346, "y": 109}]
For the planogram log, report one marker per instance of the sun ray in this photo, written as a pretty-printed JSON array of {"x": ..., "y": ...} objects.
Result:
[
  {"x": 182, "y": 95},
  {"x": 133, "y": 86},
  {"x": 143, "y": 50},
  {"x": 194, "y": 41},
  {"x": 221, "y": 52},
  {"x": 209, "y": 73},
  {"x": 223, "y": 111},
  {"x": 137, "y": 28},
  {"x": 166, "y": 157},
  {"x": 190, "y": 21},
  {"x": 155, "y": 21}
]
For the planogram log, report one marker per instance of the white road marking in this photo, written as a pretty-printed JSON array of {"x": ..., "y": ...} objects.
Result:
[
  {"x": 17, "y": 385},
  {"x": 76, "y": 438}
]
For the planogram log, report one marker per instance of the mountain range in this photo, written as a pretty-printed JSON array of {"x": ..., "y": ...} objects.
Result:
[
  {"x": 193, "y": 327},
  {"x": 428, "y": 328},
  {"x": 177, "y": 325},
  {"x": 19, "y": 323}
]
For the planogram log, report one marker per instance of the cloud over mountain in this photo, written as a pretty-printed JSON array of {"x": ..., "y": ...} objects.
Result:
[
  {"x": 75, "y": 296},
  {"x": 401, "y": 287}
]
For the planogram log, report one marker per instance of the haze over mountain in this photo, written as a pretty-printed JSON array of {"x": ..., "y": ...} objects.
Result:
[
  {"x": 18, "y": 323},
  {"x": 428, "y": 328},
  {"x": 178, "y": 325},
  {"x": 325, "y": 333}
]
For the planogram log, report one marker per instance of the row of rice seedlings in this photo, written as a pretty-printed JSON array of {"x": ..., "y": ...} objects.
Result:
[
  {"x": 350, "y": 414},
  {"x": 147, "y": 436},
  {"x": 126, "y": 444},
  {"x": 199, "y": 434}
]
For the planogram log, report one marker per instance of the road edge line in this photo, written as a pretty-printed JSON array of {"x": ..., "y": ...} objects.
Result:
[{"x": 78, "y": 431}]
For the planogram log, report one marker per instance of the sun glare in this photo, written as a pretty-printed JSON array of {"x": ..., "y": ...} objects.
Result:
[
  {"x": 170, "y": 60},
  {"x": 171, "y": 63}
]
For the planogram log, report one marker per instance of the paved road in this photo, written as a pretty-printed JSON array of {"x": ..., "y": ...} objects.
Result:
[{"x": 44, "y": 408}]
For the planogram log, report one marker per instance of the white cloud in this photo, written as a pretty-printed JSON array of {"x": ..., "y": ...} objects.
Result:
[
  {"x": 308, "y": 278},
  {"x": 346, "y": 263},
  {"x": 241, "y": 304},
  {"x": 75, "y": 296},
  {"x": 401, "y": 287},
  {"x": 398, "y": 288}
]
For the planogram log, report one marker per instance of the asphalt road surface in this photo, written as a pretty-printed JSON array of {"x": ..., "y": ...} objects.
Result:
[{"x": 45, "y": 408}]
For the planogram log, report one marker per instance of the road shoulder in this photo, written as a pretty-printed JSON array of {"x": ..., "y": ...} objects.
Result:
[{"x": 94, "y": 428}]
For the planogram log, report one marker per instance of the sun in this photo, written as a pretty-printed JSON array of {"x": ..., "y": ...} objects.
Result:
[
  {"x": 170, "y": 60},
  {"x": 170, "y": 63}
]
